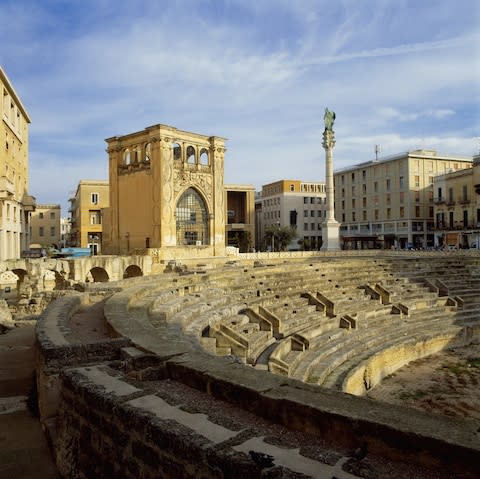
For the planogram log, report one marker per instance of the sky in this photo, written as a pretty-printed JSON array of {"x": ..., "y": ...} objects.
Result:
[{"x": 402, "y": 74}]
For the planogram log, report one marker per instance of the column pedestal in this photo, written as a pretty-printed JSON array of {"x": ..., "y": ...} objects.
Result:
[{"x": 331, "y": 236}]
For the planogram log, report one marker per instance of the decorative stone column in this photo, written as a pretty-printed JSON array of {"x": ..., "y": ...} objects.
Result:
[{"x": 330, "y": 228}]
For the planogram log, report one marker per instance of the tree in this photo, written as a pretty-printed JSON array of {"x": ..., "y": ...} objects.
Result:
[{"x": 279, "y": 236}]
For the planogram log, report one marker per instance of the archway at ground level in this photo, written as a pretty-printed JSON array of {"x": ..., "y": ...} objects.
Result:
[
  {"x": 98, "y": 275},
  {"x": 132, "y": 271}
]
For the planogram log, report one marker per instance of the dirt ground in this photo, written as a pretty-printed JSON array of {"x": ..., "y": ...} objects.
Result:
[{"x": 445, "y": 383}]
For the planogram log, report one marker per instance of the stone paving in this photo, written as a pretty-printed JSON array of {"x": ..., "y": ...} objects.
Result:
[{"x": 24, "y": 453}]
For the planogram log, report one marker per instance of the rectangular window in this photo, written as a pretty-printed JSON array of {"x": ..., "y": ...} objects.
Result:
[
  {"x": 417, "y": 181},
  {"x": 52, "y": 215},
  {"x": 353, "y": 215},
  {"x": 95, "y": 218},
  {"x": 40, "y": 231},
  {"x": 402, "y": 212},
  {"x": 292, "y": 187},
  {"x": 417, "y": 211},
  {"x": 376, "y": 214},
  {"x": 312, "y": 213},
  {"x": 353, "y": 177},
  {"x": 353, "y": 202},
  {"x": 375, "y": 187},
  {"x": 94, "y": 198},
  {"x": 364, "y": 189},
  {"x": 364, "y": 215},
  {"x": 364, "y": 202},
  {"x": 389, "y": 213},
  {"x": 305, "y": 200},
  {"x": 305, "y": 214},
  {"x": 388, "y": 185},
  {"x": 40, "y": 215},
  {"x": 402, "y": 196},
  {"x": 401, "y": 182},
  {"x": 52, "y": 230},
  {"x": 305, "y": 226},
  {"x": 353, "y": 190},
  {"x": 417, "y": 196}
]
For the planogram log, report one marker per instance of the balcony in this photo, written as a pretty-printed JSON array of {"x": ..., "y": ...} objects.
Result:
[
  {"x": 439, "y": 201},
  {"x": 450, "y": 202},
  {"x": 7, "y": 188},
  {"x": 29, "y": 203},
  {"x": 464, "y": 200}
]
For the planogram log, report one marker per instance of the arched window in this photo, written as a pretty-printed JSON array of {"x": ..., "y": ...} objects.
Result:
[
  {"x": 177, "y": 151},
  {"x": 148, "y": 152},
  {"x": 136, "y": 155},
  {"x": 191, "y": 155},
  {"x": 127, "y": 157},
  {"x": 192, "y": 219},
  {"x": 204, "y": 156}
]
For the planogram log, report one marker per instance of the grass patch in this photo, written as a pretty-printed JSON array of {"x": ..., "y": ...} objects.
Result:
[
  {"x": 474, "y": 362},
  {"x": 412, "y": 395}
]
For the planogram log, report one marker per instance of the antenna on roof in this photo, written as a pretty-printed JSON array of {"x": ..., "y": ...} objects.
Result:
[{"x": 378, "y": 149}]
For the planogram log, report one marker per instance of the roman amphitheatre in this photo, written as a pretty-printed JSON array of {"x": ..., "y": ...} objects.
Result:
[{"x": 349, "y": 364}]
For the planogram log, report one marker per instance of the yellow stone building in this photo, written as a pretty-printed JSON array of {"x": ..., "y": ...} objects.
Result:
[
  {"x": 457, "y": 207},
  {"x": 167, "y": 194},
  {"x": 240, "y": 219},
  {"x": 86, "y": 206},
  {"x": 390, "y": 202},
  {"x": 15, "y": 202},
  {"x": 45, "y": 225}
]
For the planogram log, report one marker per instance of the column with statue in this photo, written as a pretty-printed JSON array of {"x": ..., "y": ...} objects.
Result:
[{"x": 330, "y": 227}]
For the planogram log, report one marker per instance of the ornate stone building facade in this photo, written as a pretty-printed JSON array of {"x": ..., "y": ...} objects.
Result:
[
  {"x": 15, "y": 202},
  {"x": 166, "y": 194}
]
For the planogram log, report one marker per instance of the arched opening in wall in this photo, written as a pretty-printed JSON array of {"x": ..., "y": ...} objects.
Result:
[
  {"x": 204, "y": 156},
  {"x": 148, "y": 153},
  {"x": 192, "y": 219},
  {"x": 136, "y": 155},
  {"x": 23, "y": 283},
  {"x": 99, "y": 275},
  {"x": 191, "y": 155},
  {"x": 60, "y": 281},
  {"x": 127, "y": 158},
  {"x": 9, "y": 283},
  {"x": 177, "y": 151},
  {"x": 132, "y": 271}
]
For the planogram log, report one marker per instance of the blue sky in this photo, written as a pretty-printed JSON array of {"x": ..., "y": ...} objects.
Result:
[{"x": 403, "y": 74}]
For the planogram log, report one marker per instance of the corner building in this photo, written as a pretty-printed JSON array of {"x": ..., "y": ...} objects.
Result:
[
  {"x": 15, "y": 202},
  {"x": 86, "y": 208},
  {"x": 45, "y": 225},
  {"x": 167, "y": 194},
  {"x": 298, "y": 204},
  {"x": 390, "y": 202}
]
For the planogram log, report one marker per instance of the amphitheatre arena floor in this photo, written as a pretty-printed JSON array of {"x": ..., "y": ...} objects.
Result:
[{"x": 446, "y": 383}]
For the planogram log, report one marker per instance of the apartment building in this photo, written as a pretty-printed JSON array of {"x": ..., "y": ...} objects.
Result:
[
  {"x": 295, "y": 203},
  {"x": 65, "y": 229},
  {"x": 390, "y": 202},
  {"x": 86, "y": 207},
  {"x": 45, "y": 225},
  {"x": 240, "y": 216},
  {"x": 457, "y": 207},
  {"x": 15, "y": 202}
]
